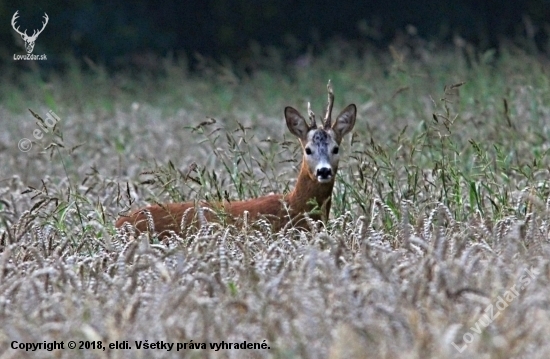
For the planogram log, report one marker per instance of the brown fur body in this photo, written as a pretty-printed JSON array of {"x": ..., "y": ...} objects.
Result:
[{"x": 276, "y": 208}]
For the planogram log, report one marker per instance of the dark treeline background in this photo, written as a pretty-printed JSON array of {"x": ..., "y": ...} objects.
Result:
[{"x": 114, "y": 33}]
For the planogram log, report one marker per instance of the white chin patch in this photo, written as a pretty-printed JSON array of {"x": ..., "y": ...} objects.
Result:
[{"x": 324, "y": 180}]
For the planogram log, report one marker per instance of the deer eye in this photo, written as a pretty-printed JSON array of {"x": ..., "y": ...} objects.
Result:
[
  {"x": 308, "y": 151},
  {"x": 335, "y": 150}
]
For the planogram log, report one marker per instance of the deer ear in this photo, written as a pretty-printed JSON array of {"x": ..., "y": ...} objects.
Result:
[
  {"x": 345, "y": 121},
  {"x": 296, "y": 123}
]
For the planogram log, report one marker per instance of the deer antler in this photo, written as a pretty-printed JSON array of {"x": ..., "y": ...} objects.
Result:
[
  {"x": 13, "y": 19},
  {"x": 328, "y": 119},
  {"x": 43, "y": 26},
  {"x": 24, "y": 34},
  {"x": 312, "y": 124}
]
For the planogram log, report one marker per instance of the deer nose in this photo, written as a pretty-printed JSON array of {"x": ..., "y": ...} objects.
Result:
[{"x": 324, "y": 172}]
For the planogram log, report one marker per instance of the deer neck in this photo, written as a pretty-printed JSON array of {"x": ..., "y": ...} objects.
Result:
[{"x": 309, "y": 194}]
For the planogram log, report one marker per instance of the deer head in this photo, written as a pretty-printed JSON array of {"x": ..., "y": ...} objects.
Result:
[
  {"x": 321, "y": 143},
  {"x": 29, "y": 40}
]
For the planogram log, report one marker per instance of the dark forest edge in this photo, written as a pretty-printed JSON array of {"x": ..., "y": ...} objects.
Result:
[{"x": 136, "y": 34}]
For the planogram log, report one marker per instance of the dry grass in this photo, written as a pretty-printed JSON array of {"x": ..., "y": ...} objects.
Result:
[{"x": 441, "y": 208}]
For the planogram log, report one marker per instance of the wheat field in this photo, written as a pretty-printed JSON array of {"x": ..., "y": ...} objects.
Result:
[{"x": 437, "y": 245}]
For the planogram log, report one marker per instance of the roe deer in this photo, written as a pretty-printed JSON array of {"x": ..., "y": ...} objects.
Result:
[{"x": 311, "y": 195}]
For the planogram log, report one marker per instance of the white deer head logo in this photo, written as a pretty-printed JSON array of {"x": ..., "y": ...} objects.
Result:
[{"x": 29, "y": 40}]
